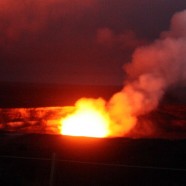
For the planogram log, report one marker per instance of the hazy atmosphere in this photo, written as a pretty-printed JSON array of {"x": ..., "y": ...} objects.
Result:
[
  {"x": 92, "y": 92},
  {"x": 77, "y": 41}
]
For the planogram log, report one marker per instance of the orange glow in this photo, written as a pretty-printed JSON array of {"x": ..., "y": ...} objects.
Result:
[{"x": 89, "y": 119}]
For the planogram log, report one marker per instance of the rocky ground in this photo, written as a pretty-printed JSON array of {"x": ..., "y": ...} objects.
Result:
[{"x": 35, "y": 159}]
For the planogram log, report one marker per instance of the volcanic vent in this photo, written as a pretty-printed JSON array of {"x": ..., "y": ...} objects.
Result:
[{"x": 153, "y": 69}]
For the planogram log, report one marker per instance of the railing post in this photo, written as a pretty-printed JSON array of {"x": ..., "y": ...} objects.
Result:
[{"x": 52, "y": 171}]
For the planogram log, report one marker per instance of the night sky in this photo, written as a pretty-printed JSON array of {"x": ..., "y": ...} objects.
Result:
[{"x": 77, "y": 41}]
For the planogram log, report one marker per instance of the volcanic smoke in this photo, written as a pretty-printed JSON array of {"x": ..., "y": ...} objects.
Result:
[{"x": 153, "y": 69}]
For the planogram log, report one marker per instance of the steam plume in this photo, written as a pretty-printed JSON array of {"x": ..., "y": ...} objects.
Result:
[{"x": 152, "y": 70}]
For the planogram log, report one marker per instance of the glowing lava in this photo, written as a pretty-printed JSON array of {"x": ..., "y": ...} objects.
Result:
[{"x": 89, "y": 119}]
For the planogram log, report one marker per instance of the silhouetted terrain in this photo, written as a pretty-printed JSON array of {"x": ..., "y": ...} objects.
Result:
[
  {"x": 39, "y": 95},
  {"x": 36, "y": 95},
  {"x": 89, "y": 161}
]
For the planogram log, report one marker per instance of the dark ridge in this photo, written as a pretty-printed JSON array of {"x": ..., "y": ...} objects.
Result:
[
  {"x": 146, "y": 152},
  {"x": 36, "y": 95},
  {"x": 175, "y": 95},
  {"x": 91, "y": 161}
]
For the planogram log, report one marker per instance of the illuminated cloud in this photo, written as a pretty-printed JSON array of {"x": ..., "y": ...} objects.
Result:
[
  {"x": 125, "y": 40},
  {"x": 48, "y": 40},
  {"x": 19, "y": 17}
]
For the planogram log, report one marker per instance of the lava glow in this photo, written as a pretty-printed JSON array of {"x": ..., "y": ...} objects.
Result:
[{"x": 89, "y": 119}]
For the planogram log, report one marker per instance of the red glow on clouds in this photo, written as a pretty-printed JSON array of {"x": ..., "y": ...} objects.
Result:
[{"x": 18, "y": 17}]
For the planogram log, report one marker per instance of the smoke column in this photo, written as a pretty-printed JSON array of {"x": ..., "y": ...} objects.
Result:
[{"x": 153, "y": 69}]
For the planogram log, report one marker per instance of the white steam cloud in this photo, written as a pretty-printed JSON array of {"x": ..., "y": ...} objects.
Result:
[{"x": 153, "y": 69}]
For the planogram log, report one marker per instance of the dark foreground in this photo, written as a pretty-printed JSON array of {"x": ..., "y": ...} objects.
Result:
[{"x": 57, "y": 160}]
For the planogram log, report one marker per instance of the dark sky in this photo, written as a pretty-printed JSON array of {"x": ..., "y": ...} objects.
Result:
[{"x": 77, "y": 41}]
